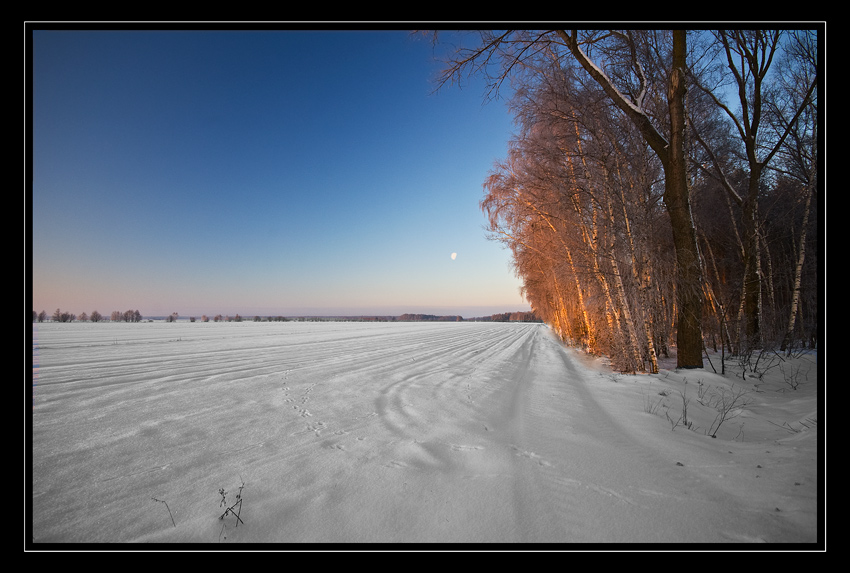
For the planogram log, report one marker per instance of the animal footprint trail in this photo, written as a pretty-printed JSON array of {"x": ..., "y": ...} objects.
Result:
[
  {"x": 331, "y": 445},
  {"x": 315, "y": 428},
  {"x": 303, "y": 412}
]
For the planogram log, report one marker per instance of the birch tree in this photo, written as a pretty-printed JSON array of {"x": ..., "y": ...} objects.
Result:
[
  {"x": 613, "y": 60},
  {"x": 748, "y": 57},
  {"x": 798, "y": 156}
]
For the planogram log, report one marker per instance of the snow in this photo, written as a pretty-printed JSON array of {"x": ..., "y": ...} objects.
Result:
[{"x": 407, "y": 433}]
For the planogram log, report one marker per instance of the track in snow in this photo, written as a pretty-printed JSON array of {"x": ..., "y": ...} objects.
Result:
[{"x": 341, "y": 432}]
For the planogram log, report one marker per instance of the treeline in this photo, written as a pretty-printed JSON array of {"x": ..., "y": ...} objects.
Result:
[
  {"x": 95, "y": 316},
  {"x": 135, "y": 316},
  {"x": 648, "y": 204},
  {"x": 228, "y": 318},
  {"x": 428, "y": 318},
  {"x": 524, "y": 316}
]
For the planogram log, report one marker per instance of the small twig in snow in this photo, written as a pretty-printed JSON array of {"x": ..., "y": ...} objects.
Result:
[{"x": 168, "y": 508}]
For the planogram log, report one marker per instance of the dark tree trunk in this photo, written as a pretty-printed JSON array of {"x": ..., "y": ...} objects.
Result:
[{"x": 689, "y": 271}]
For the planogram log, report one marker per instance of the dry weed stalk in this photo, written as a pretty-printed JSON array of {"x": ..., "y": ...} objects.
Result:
[{"x": 234, "y": 509}]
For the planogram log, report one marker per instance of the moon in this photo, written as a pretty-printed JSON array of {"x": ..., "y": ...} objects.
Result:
[{"x": 454, "y": 256}]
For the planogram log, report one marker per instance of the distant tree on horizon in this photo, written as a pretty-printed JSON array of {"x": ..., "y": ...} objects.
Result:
[{"x": 60, "y": 316}]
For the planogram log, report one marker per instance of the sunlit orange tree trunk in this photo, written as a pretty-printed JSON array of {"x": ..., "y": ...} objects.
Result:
[{"x": 671, "y": 153}]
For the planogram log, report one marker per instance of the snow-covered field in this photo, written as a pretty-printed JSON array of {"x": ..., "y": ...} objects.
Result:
[{"x": 347, "y": 432}]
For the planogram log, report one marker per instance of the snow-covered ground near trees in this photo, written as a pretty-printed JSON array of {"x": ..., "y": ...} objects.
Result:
[{"x": 390, "y": 433}]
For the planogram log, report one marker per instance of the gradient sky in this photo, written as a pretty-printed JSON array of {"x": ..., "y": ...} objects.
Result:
[{"x": 280, "y": 172}]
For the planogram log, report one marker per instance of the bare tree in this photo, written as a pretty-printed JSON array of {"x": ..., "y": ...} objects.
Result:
[
  {"x": 798, "y": 156},
  {"x": 763, "y": 125},
  {"x": 63, "y": 316},
  {"x": 617, "y": 62}
]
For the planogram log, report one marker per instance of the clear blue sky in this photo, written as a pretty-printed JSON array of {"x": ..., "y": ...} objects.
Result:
[{"x": 283, "y": 172}]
